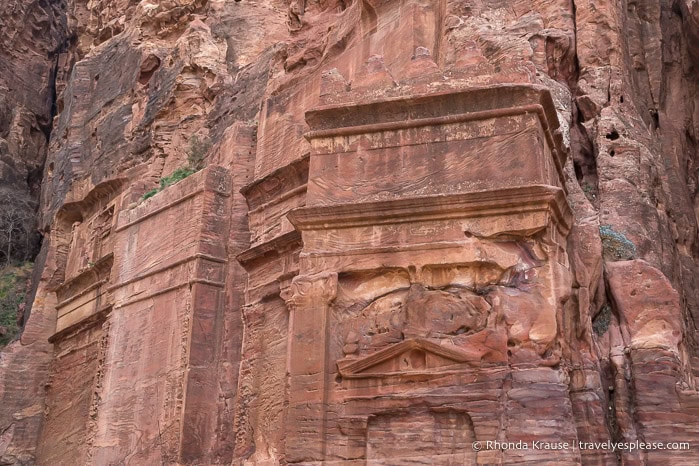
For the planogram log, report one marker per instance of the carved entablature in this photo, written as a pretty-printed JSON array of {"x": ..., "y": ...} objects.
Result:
[
  {"x": 271, "y": 265},
  {"x": 466, "y": 228},
  {"x": 84, "y": 297},
  {"x": 272, "y": 197},
  {"x": 457, "y": 141}
]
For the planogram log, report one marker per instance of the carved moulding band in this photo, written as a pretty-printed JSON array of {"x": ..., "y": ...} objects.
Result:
[
  {"x": 86, "y": 281},
  {"x": 281, "y": 184},
  {"x": 438, "y": 207},
  {"x": 157, "y": 270},
  {"x": 272, "y": 248},
  {"x": 92, "y": 320}
]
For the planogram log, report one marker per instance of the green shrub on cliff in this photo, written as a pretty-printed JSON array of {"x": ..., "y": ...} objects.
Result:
[
  {"x": 616, "y": 246},
  {"x": 600, "y": 324},
  {"x": 178, "y": 175},
  {"x": 195, "y": 162},
  {"x": 150, "y": 194},
  {"x": 13, "y": 284}
]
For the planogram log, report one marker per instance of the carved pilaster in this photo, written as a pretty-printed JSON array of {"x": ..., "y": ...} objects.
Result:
[
  {"x": 248, "y": 386},
  {"x": 311, "y": 290},
  {"x": 308, "y": 299}
]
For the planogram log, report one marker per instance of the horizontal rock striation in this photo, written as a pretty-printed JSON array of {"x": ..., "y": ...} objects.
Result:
[{"x": 404, "y": 232}]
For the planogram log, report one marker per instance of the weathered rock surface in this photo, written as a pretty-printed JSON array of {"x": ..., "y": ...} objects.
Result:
[
  {"x": 421, "y": 224},
  {"x": 33, "y": 35}
]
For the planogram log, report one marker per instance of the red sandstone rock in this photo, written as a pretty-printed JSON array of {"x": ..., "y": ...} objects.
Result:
[{"x": 400, "y": 247}]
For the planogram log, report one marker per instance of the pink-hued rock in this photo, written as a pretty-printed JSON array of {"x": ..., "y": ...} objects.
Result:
[
  {"x": 648, "y": 306},
  {"x": 419, "y": 224}
]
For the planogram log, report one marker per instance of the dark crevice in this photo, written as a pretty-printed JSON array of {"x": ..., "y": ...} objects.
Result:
[
  {"x": 676, "y": 8},
  {"x": 576, "y": 61},
  {"x": 59, "y": 42},
  {"x": 584, "y": 160},
  {"x": 613, "y": 135},
  {"x": 655, "y": 118},
  {"x": 47, "y": 127},
  {"x": 578, "y": 171}
]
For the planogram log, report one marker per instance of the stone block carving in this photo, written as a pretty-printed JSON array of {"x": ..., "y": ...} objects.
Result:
[
  {"x": 148, "y": 312},
  {"x": 172, "y": 293},
  {"x": 417, "y": 291},
  {"x": 89, "y": 244}
]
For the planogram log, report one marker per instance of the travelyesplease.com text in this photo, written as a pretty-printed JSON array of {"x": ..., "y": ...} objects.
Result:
[{"x": 608, "y": 445}]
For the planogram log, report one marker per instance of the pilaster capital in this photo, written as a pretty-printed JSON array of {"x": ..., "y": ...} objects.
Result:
[{"x": 310, "y": 290}]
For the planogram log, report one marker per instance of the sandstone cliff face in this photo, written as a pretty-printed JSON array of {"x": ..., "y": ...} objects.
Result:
[
  {"x": 33, "y": 35},
  {"x": 453, "y": 220}
]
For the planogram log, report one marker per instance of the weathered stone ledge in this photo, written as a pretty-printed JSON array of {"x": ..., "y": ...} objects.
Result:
[
  {"x": 157, "y": 270},
  {"x": 520, "y": 200},
  {"x": 214, "y": 179}
]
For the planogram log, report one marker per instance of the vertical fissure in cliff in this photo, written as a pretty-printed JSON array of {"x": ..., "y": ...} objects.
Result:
[
  {"x": 45, "y": 122},
  {"x": 582, "y": 148}
]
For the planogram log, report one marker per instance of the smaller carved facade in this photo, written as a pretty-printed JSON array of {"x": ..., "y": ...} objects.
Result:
[{"x": 137, "y": 312}]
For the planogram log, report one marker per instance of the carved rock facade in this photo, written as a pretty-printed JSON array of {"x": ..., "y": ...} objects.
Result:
[{"x": 395, "y": 249}]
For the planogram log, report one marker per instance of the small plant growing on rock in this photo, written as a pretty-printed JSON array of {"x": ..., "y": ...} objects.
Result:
[
  {"x": 195, "y": 162},
  {"x": 600, "y": 324},
  {"x": 150, "y": 194},
  {"x": 13, "y": 285},
  {"x": 589, "y": 191},
  {"x": 197, "y": 152},
  {"x": 616, "y": 246},
  {"x": 178, "y": 175}
]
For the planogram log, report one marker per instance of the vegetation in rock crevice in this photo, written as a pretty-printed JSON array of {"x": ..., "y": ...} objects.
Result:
[
  {"x": 616, "y": 246},
  {"x": 600, "y": 324},
  {"x": 18, "y": 236},
  {"x": 13, "y": 286},
  {"x": 195, "y": 161}
]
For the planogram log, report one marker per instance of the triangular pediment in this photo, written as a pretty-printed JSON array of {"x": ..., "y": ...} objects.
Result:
[{"x": 414, "y": 356}]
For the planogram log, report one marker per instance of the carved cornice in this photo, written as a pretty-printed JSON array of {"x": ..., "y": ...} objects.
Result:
[
  {"x": 273, "y": 248},
  {"x": 520, "y": 200},
  {"x": 91, "y": 321},
  {"x": 80, "y": 204},
  {"x": 282, "y": 183}
]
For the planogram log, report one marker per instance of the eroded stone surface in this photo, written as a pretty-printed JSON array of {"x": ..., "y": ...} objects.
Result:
[{"x": 410, "y": 256}]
